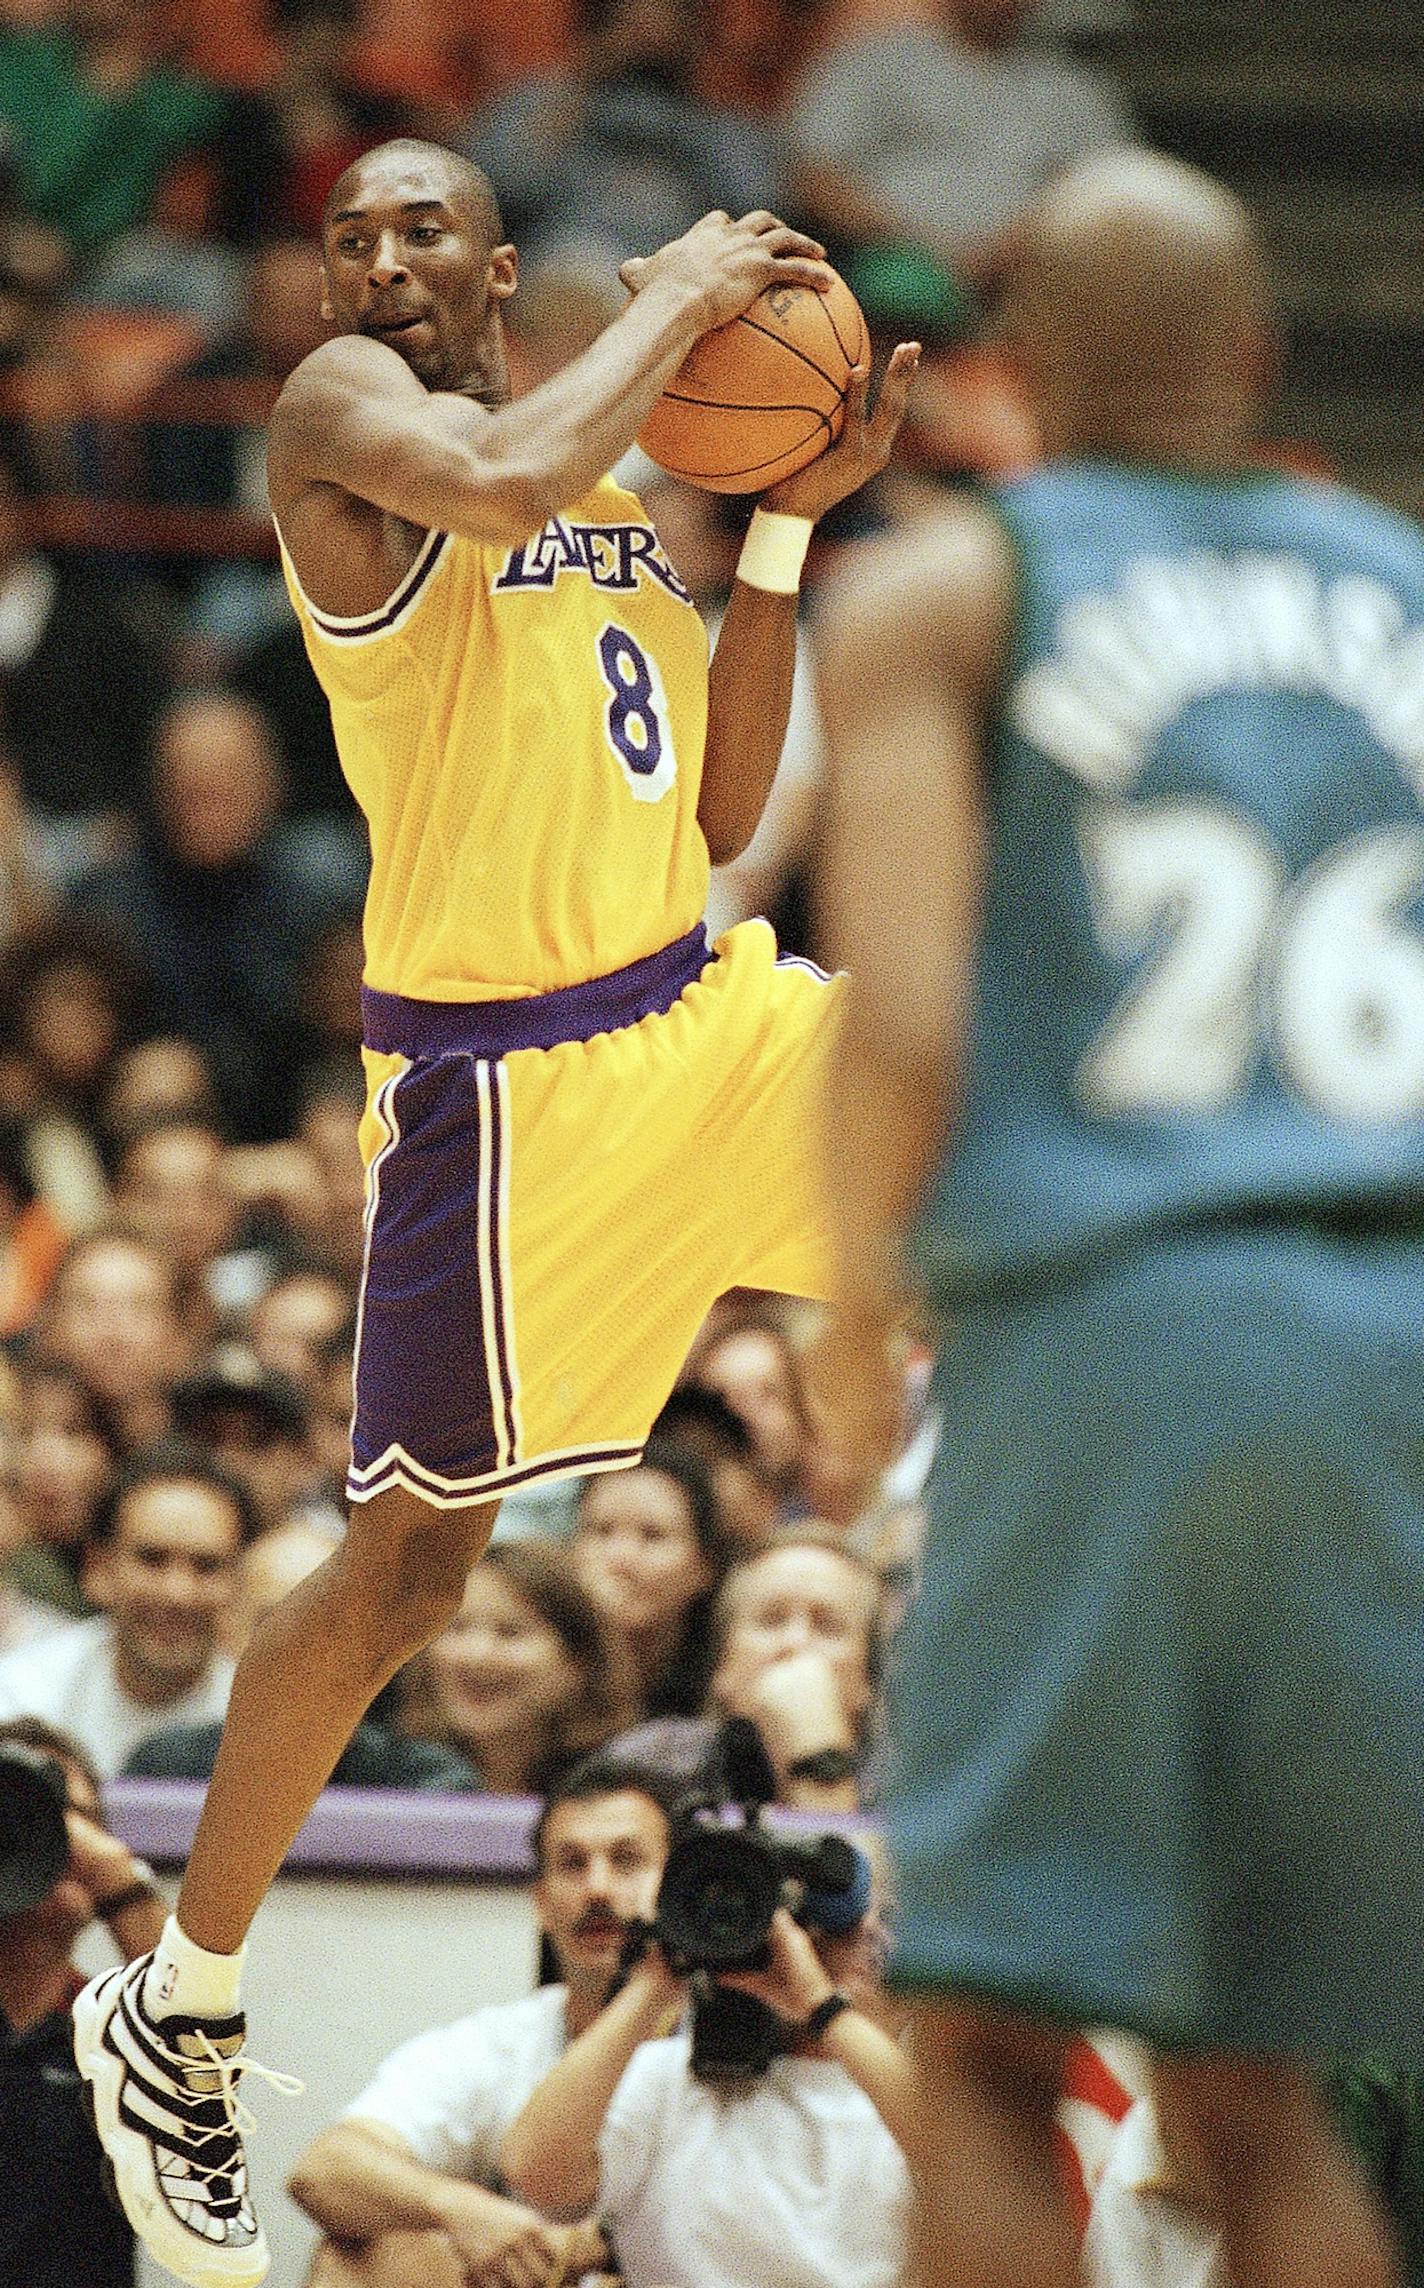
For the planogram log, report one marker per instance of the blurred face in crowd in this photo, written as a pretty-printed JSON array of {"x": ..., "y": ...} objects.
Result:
[
  {"x": 272, "y": 1458},
  {"x": 111, "y": 1316},
  {"x": 168, "y": 1577},
  {"x": 293, "y": 1322},
  {"x": 328, "y": 1129},
  {"x": 791, "y": 1600},
  {"x": 754, "y": 1371},
  {"x": 155, "y": 1078},
  {"x": 600, "y": 1866},
  {"x": 216, "y": 788},
  {"x": 171, "y": 1185},
  {"x": 657, "y": 39},
  {"x": 271, "y": 1566},
  {"x": 332, "y": 1400},
  {"x": 63, "y": 1462},
  {"x": 637, "y": 1550},
  {"x": 71, "y": 1024},
  {"x": 500, "y": 1671}
]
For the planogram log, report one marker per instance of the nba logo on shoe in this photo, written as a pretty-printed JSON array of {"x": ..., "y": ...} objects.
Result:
[{"x": 167, "y": 1982}]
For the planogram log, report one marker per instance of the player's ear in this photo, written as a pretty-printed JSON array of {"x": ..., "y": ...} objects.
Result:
[{"x": 502, "y": 273}]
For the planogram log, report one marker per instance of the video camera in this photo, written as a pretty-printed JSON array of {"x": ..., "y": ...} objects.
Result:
[
  {"x": 34, "y": 1841},
  {"x": 720, "y": 1888}
]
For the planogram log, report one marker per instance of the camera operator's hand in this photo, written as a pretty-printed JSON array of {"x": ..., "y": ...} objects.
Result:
[
  {"x": 98, "y": 1861},
  {"x": 660, "y": 1989},
  {"x": 115, "y": 1887},
  {"x": 794, "y": 1981},
  {"x": 550, "y": 2153},
  {"x": 502, "y": 2244}
]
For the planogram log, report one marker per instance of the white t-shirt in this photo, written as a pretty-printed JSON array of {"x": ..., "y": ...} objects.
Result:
[
  {"x": 453, "y": 2092},
  {"x": 792, "y": 2178},
  {"x": 1139, "y": 2235},
  {"x": 70, "y": 1679}
]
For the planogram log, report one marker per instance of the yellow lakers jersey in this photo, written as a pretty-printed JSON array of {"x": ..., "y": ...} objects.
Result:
[{"x": 523, "y": 729}]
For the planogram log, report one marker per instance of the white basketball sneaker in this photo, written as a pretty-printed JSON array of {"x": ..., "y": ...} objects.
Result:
[{"x": 168, "y": 2117}]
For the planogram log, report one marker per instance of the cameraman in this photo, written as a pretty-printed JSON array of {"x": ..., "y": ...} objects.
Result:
[
  {"x": 57, "y": 2225},
  {"x": 794, "y": 2175},
  {"x": 406, "y": 2187}
]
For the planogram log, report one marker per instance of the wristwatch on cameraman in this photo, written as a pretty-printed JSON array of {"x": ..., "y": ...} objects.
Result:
[
  {"x": 830, "y": 2006},
  {"x": 824, "y": 1765}
]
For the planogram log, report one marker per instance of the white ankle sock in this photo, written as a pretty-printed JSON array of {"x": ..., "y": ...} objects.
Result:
[{"x": 184, "y": 1980}]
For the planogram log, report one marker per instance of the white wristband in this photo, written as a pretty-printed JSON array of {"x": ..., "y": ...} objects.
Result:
[{"x": 774, "y": 551}]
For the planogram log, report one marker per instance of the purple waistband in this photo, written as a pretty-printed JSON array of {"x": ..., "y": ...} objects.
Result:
[{"x": 392, "y": 1025}]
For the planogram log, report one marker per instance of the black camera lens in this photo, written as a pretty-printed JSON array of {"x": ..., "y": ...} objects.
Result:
[
  {"x": 720, "y": 1889},
  {"x": 34, "y": 1841}
]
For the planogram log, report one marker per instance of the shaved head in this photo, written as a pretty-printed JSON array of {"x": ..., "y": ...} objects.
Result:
[
  {"x": 429, "y": 167},
  {"x": 1140, "y": 308}
]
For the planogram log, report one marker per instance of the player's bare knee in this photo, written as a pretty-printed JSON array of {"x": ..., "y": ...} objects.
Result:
[{"x": 408, "y": 1563}]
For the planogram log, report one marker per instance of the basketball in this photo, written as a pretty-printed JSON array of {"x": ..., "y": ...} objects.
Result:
[{"x": 758, "y": 398}]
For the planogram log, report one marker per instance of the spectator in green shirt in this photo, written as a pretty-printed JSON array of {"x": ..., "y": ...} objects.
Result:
[{"x": 98, "y": 117}]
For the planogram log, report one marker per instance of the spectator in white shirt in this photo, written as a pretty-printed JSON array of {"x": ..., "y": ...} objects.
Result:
[
  {"x": 407, "y": 2184},
  {"x": 163, "y": 1566}
]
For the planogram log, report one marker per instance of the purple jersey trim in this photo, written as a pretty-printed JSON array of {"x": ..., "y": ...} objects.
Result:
[
  {"x": 396, "y": 1026},
  {"x": 401, "y": 597}
]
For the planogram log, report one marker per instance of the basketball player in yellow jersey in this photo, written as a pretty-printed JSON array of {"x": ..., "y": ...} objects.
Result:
[{"x": 583, "y": 1123}]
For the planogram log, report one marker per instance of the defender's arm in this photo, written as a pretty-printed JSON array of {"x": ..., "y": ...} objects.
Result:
[{"x": 911, "y": 647}]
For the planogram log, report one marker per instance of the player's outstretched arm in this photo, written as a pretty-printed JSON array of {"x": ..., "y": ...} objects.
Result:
[
  {"x": 354, "y": 416},
  {"x": 749, "y": 687}
]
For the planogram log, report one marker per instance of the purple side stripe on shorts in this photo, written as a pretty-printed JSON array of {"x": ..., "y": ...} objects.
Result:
[
  {"x": 423, "y": 1369},
  {"x": 394, "y": 1025}
]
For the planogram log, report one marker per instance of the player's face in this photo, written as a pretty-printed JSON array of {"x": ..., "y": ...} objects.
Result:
[
  {"x": 602, "y": 1863},
  {"x": 407, "y": 260}
]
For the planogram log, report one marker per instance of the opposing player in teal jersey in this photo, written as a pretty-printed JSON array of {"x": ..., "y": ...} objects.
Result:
[{"x": 1126, "y": 857}]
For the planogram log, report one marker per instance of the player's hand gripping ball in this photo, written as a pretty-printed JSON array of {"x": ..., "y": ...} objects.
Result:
[{"x": 759, "y": 398}]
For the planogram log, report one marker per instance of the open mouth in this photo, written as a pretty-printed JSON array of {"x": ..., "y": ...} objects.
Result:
[{"x": 390, "y": 329}]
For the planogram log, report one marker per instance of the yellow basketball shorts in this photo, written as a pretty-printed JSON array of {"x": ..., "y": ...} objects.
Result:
[{"x": 557, "y": 1190}]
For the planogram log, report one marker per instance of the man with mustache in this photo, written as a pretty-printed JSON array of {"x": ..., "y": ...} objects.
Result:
[{"x": 405, "y": 2184}]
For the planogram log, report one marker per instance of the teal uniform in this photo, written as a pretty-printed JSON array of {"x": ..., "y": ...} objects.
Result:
[{"x": 1162, "y": 1700}]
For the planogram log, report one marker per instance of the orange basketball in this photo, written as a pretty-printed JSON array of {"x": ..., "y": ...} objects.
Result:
[{"x": 756, "y": 399}]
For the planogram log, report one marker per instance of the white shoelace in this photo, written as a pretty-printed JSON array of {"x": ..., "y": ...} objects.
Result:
[{"x": 230, "y": 2070}]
